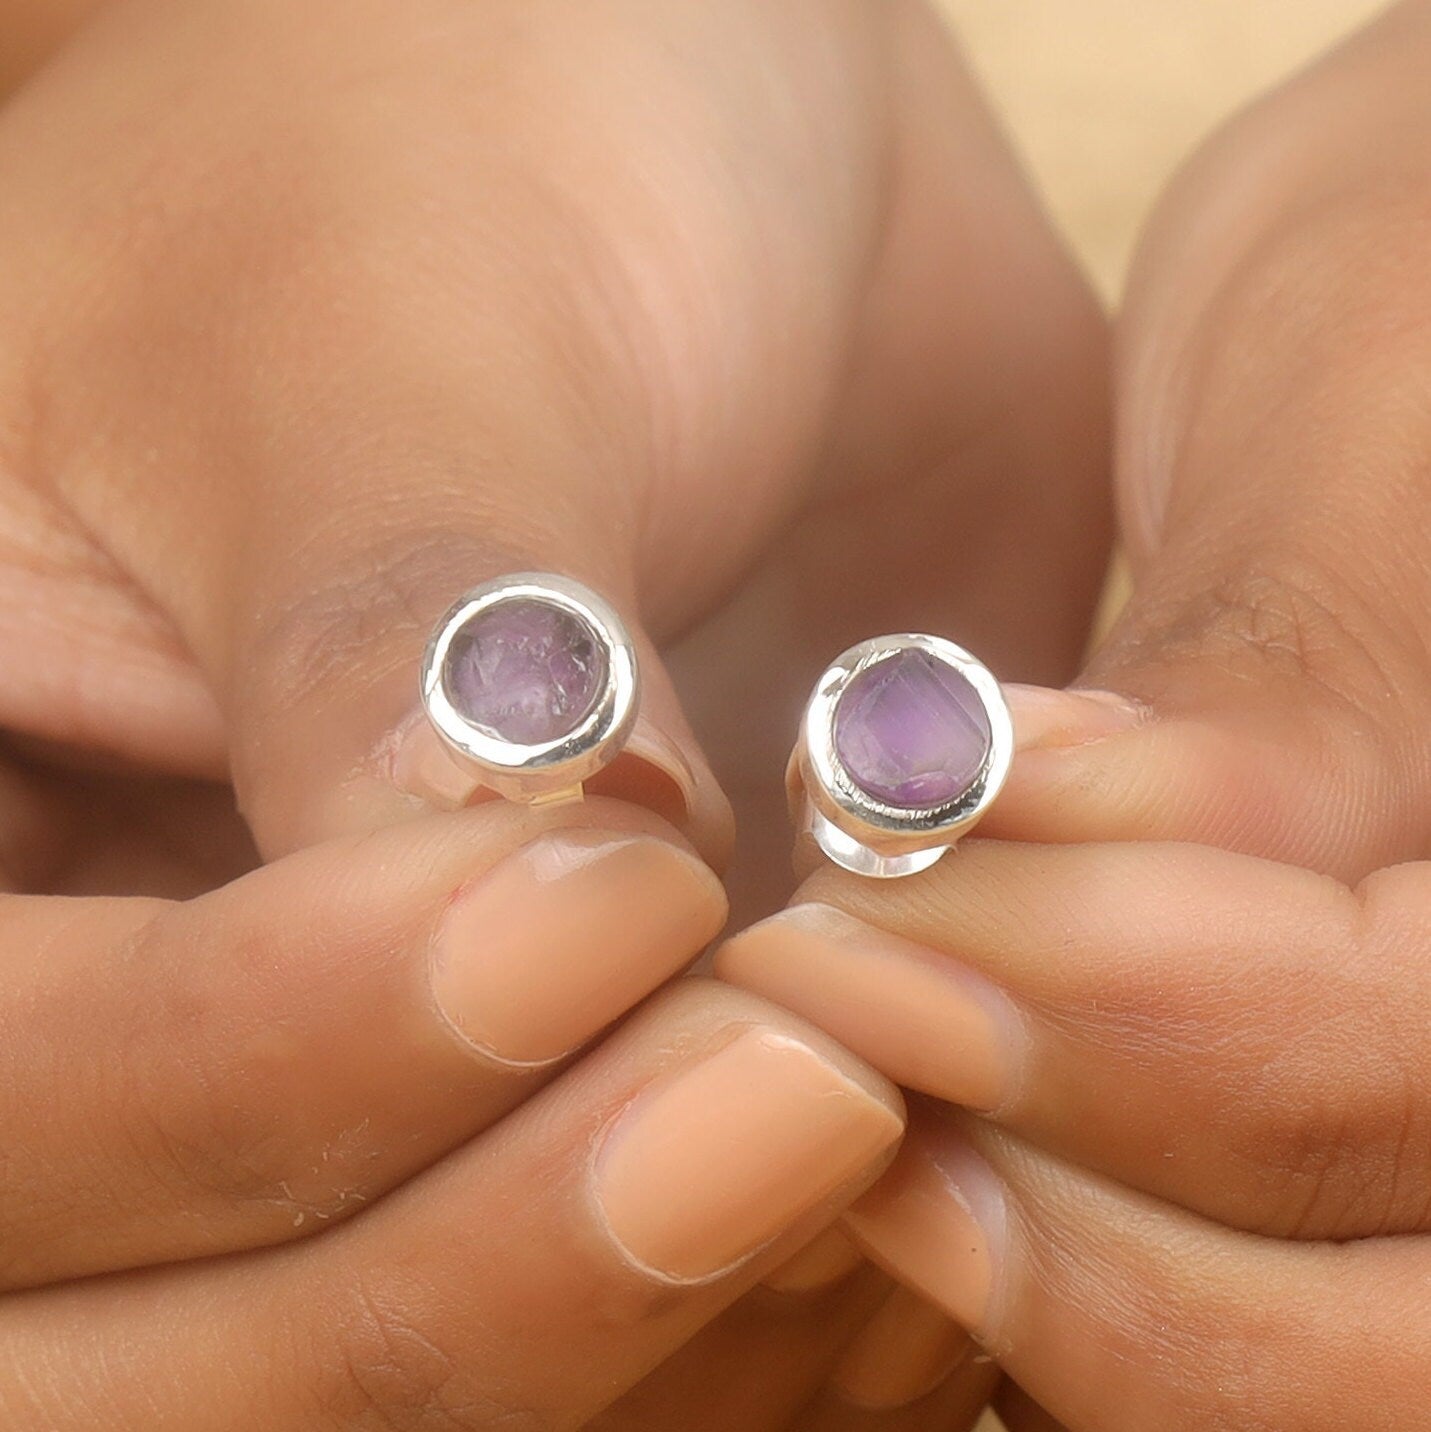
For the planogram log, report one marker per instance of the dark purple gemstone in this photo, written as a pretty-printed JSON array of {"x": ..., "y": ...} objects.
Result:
[
  {"x": 525, "y": 670},
  {"x": 911, "y": 731}
]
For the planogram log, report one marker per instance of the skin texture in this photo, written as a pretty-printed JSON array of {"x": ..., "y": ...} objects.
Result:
[
  {"x": 315, "y": 316},
  {"x": 33, "y": 29},
  {"x": 1202, "y": 1200}
]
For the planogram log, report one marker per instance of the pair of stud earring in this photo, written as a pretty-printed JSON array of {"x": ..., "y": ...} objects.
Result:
[{"x": 533, "y": 685}]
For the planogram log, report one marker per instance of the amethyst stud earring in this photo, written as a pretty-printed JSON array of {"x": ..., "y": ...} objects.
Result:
[
  {"x": 904, "y": 745},
  {"x": 531, "y": 682}
]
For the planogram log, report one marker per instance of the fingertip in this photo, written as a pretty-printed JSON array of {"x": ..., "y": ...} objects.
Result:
[
  {"x": 734, "y": 1149},
  {"x": 1046, "y": 716},
  {"x": 905, "y": 1351},
  {"x": 824, "y": 1263},
  {"x": 937, "y": 1222},
  {"x": 929, "y": 1022},
  {"x": 564, "y": 936}
]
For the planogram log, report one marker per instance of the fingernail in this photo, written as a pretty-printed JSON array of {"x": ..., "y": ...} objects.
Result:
[
  {"x": 918, "y": 1016},
  {"x": 902, "y": 1354},
  {"x": 1045, "y": 717},
  {"x": 822, "y": 1264},
  {"x": 720, "y": 1157},
  {"x": 936, "y": 1222},
  {"x": 562, "y": 937}
]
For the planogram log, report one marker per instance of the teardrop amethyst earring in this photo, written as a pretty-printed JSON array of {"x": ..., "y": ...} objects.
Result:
[{"x": 905, "y": 743}]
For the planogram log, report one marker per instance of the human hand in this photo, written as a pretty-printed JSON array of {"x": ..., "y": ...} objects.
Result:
[
  {"x": 634, "y": 360},
  {"x": 313, "y": 319},
  {"x": 1186, "y": 992}
]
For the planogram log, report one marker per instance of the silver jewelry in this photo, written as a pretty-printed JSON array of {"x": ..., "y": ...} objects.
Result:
[
  {"x": 531, "y": 682},
  {"x": 904, "y": 745}
]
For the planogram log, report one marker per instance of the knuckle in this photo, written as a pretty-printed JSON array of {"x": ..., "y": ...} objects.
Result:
[
  {"x": 337, "y": 626},
  {"x": 1305, "y": 652},
  {"x": 1333, "y": 1171},
  {"x": 1321, "y": 331},
  {"x": 244, "y": 1170},
  {"x": 387, "y": 1374},
  {"x": 1281, "y": 616},
  {"x": 334, "y": 650},
  {"x": 1336, "y": 1121}
]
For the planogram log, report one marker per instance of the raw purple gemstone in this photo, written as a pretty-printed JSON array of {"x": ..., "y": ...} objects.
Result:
[
  {"x": 525, "y": 670},
  {"x": 911, "y": 731}
]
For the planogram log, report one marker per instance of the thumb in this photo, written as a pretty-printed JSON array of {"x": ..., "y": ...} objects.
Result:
[
  {"x": 361, "y": 349},
  {"x": 329, "y": 737},
  {"x": 1273, "y": 451}
]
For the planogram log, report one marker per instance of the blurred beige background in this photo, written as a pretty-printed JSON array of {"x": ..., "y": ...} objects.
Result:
[{"x": 1105, "y": 97}]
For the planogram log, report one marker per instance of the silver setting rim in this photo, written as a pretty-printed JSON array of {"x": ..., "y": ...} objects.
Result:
[
  {"x": 552, "y": 768},
  {"x": 856, "y": 830}
]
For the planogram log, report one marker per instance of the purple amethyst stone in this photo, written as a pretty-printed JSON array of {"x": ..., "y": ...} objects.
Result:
[
  {"x": 911, "y": 731},
  {"x": 525, "y": 670}
]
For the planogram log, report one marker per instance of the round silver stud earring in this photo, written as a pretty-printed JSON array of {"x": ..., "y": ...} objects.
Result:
[{"x": 531, "y": 681}]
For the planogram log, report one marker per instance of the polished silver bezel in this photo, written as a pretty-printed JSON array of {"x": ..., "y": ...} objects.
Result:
[
  {"x": 858, "y": 831},
  {"x": 536, "y": 772}
]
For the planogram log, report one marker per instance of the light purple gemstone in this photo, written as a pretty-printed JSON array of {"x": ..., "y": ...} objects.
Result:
[
  {"x": 911, "y": 731},
  {"x": 525, "y": 670}
]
